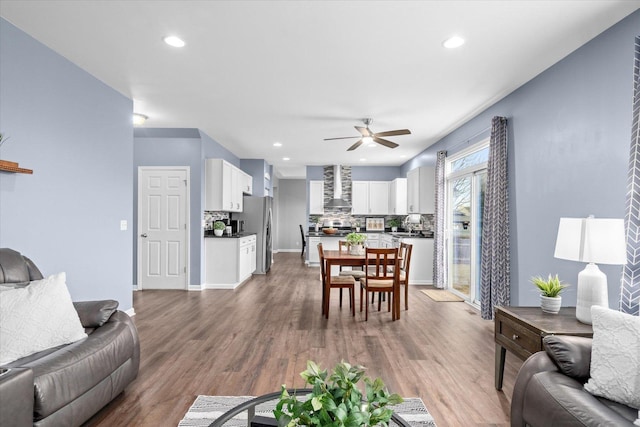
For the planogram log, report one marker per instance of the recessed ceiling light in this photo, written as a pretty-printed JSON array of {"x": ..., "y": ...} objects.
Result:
[
  {"x": 363, "y": 160},
  {"x": 453, "y": 42},
  {"x": 174, "y": 41},
  {"x": 373, "y": 144},
  {"x": 139, "y": 119},
  {"x": 286, "y": 159},
  {"x": 402, "y": 156},
  {"x": 277, "y": 144}
]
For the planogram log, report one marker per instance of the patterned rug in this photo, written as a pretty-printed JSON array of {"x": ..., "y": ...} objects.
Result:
[
  {"x": 206, "y": 409},
  {"x": 441, "y": 295}
]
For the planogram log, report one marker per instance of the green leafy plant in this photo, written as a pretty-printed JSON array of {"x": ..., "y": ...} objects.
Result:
[
  {"x": 314, "y": 219},
  {"x": 550, "y": 287},
  {"x": 219, "y": 225},
  {"x": 356, "y": 238},
  {"x": 336, "y": 400},
  {"x": 393, "y": 222}
]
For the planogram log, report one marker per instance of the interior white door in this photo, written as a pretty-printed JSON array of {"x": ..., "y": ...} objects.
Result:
[{"x": 162, "y": 228}]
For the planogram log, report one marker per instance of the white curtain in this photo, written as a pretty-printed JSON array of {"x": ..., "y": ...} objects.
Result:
[
  {"x": 495, "y": 284},
  {"x": 439, "y": 256},
  {"x": 630, "y": 292}
]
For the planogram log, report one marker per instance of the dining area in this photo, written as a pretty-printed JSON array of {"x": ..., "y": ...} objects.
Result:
[{"x": 381, "y": 272}]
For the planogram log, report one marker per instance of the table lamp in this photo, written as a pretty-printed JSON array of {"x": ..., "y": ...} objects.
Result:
[{"x": 591, "y": 240}]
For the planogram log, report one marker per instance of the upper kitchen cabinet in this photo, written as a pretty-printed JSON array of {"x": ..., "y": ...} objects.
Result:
[
  {"x": 370, "y": 197},
  {"x": 398, "y": 196},
  {"x": 246, "y": 183},
  {"x": 421, "y": 190},
  {"x": 223, "y": 186},
  {"x": 316, "y": 197}
]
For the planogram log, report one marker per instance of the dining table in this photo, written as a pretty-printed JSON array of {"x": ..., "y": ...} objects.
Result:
[{"x": 346, "y": 258}]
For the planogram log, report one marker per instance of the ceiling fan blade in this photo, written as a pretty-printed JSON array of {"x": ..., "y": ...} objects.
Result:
[
  {"x": 342, "y": 137},
  {"x": 385, "y": 142},
  {"x": 363, "y": 131},
  {"x": 394, "y": 132},
  {"x": 354, "y": 146}
]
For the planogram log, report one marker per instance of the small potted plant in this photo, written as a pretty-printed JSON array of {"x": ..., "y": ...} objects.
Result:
[
  {"x": 336, "y": 399},
  {"x": 356, "y": 243},
  {"x": 550, "y": 290},
  {"x": 315, "y": 220},
  {"x": 356, "y": 224},
  {"x": 218, "y": 228},
  {"x": 394, "y": 223}
]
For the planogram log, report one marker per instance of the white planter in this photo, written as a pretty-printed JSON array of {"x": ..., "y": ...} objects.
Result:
[
  {"x": 356, "y": 249},
  {"x": 317, "y": 228},
  {"x": 218, "y": 232},
  {"x": 550, "y": 305},
  {"x": 394, "y": 229}
]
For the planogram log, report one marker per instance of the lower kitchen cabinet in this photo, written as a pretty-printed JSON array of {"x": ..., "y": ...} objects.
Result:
[{"x": 229, "y": 261}]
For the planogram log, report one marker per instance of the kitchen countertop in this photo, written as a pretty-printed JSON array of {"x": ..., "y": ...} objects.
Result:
[
  {"x": 227, "y": 236},
  {"x": 343, "y": 233}
]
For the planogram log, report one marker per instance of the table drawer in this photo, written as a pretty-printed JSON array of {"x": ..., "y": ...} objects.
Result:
[{"x": 517, "y": 338}]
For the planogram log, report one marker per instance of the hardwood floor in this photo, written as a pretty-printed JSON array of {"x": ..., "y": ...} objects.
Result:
[{"x": 252, "y": 340}]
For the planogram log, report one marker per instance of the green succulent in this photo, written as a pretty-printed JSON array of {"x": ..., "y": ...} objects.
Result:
[
  {"x": 551, "y": 287},
  {"x": 219, "y": 225}
]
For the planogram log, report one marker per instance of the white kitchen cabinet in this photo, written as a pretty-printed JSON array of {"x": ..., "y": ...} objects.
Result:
[
  {"x": 247, "y": 183},
  {"x": 313, "y": 258},
  {"x": 316, "y": 197},
  {"x": 229, "y": 261},
  {"x": 421, "y": 190},
  {"x": 421, "y": 268},
  {"x": 370, "y": 197},
  {"x": 373, "y": 240},
  {"x": 398, "y": 196},
  {"x": 223, "y": 190}
]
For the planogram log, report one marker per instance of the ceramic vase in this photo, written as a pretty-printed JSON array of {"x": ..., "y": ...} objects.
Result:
[
  {"x": 550, "y": 305},
  {"x": 218, "y": 232}
]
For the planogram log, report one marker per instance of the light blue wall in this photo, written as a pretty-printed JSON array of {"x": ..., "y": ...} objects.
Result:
[
  {"x": 256, "y": 168},
  {"x": 569, "y": 138},
  {"x": 180, "y": 147},
  {"x": 76, "y": 134}
]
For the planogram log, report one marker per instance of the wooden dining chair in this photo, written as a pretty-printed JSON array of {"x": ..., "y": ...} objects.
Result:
[
  {"x": 304, "y": 240},
  {"x": 380, "y": 278},
  {"x": 335, "y": 282},
  {"x": 405, "y": 262},
  {"x": 355, "y": 271}
]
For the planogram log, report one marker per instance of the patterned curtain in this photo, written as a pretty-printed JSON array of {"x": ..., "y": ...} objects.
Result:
[
  {"x": 495, "y": 268},
  {"x": 630, "y": 292},
  {"x": 439, "y": 256}
]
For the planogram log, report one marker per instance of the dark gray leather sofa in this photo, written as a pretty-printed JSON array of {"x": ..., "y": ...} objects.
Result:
[
  {"x": 549, "y": 389},
  {"x": 66, "y": 385}
]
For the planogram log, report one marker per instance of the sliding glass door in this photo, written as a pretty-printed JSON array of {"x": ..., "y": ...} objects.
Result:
[{"x": 466, "y": 183}]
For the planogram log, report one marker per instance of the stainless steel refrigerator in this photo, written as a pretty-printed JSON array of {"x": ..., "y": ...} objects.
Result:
[{"x": 257, "y": 217}]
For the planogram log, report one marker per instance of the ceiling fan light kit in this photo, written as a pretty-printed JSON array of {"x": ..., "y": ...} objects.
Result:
[{"x": 368, "y": 137}]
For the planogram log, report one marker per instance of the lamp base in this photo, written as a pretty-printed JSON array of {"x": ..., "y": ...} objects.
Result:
[{"x": 592, "y": 290}]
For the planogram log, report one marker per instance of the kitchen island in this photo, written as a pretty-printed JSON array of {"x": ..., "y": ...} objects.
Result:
[
  {"x": 421, "y": 272},
  {"x": 230, "y": 260}
]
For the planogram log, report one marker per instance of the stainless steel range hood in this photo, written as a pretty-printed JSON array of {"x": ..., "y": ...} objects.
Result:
[{"x": 337, "y": 201}]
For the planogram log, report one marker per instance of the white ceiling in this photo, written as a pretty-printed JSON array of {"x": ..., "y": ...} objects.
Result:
[{"x": 257, "y": 72}]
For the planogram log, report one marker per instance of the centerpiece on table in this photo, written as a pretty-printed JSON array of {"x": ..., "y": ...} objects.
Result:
[
  {"x": 550, "y": 290},
  {"x": 336, "y": 399},
  {"x": 356, "y": 243}
]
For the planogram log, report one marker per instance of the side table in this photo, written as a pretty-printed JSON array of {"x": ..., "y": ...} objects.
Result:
[{"x": 521, "y": 329}]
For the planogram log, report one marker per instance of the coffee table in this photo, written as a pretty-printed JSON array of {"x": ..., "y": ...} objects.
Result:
[{"x": 250, "y": 407}]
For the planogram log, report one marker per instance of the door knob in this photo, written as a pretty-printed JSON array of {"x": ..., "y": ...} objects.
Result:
[{"x": 144, "y": 235}]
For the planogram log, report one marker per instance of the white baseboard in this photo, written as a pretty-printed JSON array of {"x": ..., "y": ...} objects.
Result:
[
  {"x": 131, "y": 312},
  {"x": 194, "y": 288},
  {"x": 135, "y": 288},
  {"x": 420, "y": 282},
  {"x": 222, "y": 285}
]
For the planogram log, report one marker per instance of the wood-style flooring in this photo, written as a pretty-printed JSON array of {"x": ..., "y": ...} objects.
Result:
[{"x": 252, "y": 340}]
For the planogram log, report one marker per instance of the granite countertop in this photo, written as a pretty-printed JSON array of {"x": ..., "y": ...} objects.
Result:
[
  {"x": 227, "y": 236},
  {"x": 405, "y": 234}
]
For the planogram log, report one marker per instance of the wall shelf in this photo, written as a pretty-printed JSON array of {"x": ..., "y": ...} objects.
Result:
[{"x": 13, "y": 167}]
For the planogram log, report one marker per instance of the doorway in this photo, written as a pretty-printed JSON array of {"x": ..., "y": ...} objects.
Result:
[
  {"x": 163, "y": 227},
  {"x": 466, "y": 184}
]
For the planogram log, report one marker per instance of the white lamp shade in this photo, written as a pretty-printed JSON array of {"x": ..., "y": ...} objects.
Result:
[{"x": 593, "y": 240}]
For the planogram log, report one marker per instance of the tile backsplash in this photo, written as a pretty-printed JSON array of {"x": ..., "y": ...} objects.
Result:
[
  {"x": 426, "y": 220},
  {"x": 211, "y": 216}
]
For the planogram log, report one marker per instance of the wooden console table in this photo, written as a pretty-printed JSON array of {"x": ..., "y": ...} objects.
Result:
[{"x": 521, "y": 329}]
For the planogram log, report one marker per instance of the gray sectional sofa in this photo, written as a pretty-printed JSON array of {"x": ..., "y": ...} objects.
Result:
[{"x": 66, "y": 385}]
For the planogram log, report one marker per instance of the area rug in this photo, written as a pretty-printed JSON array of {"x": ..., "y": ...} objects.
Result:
[
  {"x": 441, "y": 295},
  {"x": 206, "y": 409}
]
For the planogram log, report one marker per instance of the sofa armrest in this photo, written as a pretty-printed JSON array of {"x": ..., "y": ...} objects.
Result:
[
  {"x": 94, "y": 314},
  {"x": 16, "y": 397},
  {"x": 572, "y": 355},
  {"x": 538, "y": 362}
]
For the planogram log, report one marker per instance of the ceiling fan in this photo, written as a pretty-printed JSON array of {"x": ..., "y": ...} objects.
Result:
[{"x": 368, "y": 136}]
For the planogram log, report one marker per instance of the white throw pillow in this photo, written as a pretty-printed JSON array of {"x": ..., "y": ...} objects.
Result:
[
  {"x": 37, "y": 317},
  {"x": 615, "y": 356}
]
